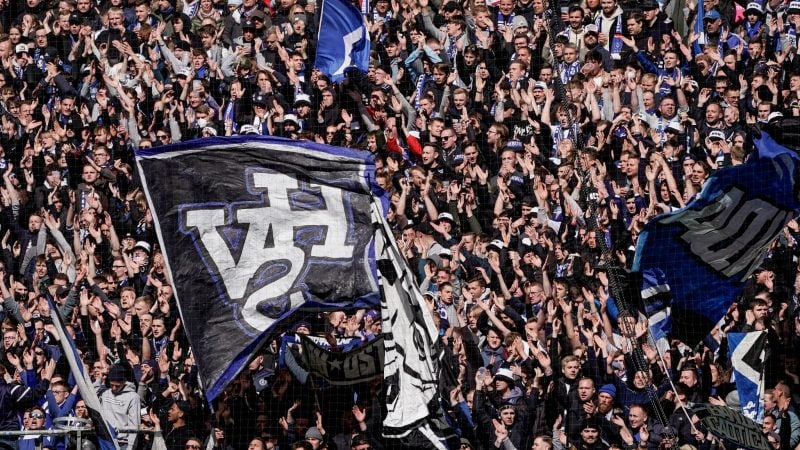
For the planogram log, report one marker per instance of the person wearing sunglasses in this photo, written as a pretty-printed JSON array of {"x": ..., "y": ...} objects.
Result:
[{"x": 37, "y": 420}]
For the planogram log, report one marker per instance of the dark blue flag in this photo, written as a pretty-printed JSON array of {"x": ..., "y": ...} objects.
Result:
[
  {"x": 343, "y": 39},
  {"x": 255, "y": 231},
  {"x": 707, "y": 250}
]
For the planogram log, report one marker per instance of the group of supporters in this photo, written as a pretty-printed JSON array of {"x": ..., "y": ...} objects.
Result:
[{"x": 523, "y": 144}]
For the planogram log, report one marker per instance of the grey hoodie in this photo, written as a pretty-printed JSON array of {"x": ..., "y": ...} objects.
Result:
[{"x": 123, "y": 412}]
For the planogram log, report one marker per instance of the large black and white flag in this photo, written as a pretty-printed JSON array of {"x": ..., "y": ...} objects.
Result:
[
  {"x": 413, "y": 353},
  {"x": 255, "y": 229}
]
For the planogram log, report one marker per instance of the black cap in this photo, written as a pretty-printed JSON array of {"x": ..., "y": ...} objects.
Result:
[
  {"x": 260, "y": 99},
  {"x": 647, "y": 5},
  {"x": 591, "y": 422},
  {"x": 75, "y": 19},
  {"x": 359, "y": 439},
  {"x": 249, "y": 25}
]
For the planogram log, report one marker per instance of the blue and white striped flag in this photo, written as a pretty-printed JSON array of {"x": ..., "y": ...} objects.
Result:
[{"x": 746, "y": 352}]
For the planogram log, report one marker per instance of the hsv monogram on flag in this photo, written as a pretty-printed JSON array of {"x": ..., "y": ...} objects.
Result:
[{"x": 254, "y": 230}]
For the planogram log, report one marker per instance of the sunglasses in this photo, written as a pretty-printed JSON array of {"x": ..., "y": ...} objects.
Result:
[{"x": 37, "y": 416}]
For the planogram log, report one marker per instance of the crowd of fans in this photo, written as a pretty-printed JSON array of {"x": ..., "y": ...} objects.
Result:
[{"x": 523, "y": 145}]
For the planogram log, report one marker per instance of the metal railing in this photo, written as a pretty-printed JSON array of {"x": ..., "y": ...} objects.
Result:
[{"x": 75, "y": 427}]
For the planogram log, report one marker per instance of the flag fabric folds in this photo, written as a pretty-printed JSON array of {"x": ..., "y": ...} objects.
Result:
[
  {"x": 413, "y": 353},
  {"x": 657, "y": 299},
  {"x": 342, "y": 368},
  {"x": 746, "y": 352},
  {"x": 732, "y": 427},
  {"x": 256, "y": 230},
  {"x": 343, "y": 39},
  {"x": 106, "y": 434},
  {"x": 707, "y": 250}
]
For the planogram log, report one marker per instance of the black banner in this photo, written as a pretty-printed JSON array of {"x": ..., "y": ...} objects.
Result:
[
  {"x": 344, "y": 368},
  {"x": 732, "y": 426}
]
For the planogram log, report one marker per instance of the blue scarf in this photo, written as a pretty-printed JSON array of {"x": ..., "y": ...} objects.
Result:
[
  {"x": 569, "y": 71},
  {"x": 616, "y": 40},
  {"x": 505, "y": 20},
  {"x": 752, "y": 29},
  {"x": 665, "y": 88}
]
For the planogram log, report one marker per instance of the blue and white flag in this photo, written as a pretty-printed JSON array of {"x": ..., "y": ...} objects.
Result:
[
  {"x": 343, "y": 39},
  {"x": 708, "y": 250},
  {"x": 256, "y": 231},
  {"x": 657, "y": 298},
  {"x": 106, "y": 434},
  {"x": 746, "y": 352}
]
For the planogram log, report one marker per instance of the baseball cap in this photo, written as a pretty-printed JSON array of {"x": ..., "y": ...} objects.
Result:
[
  {"x": 291, "y": 118},
  {"x": 260, "y": 99},
  {"x": 21, "y": 48},
  {"x": 712, "y": 15},
  {"x": 755, "y": 6},
  {"x": 498, "y": 244},
  {"x": 647, "y": 5},
  {"x": 716, "y": 135},
  {"x": 591, "y": 28},
  {"x": 142, "y": 245},
  {"x": 445, "y": 216},
  {"x": 248, "y": 129},
  {"x": 302, "y": 99}
]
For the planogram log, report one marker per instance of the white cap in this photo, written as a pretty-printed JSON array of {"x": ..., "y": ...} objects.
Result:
[
  {"x": 497, "y": 243},
  {"x": 774, "y": 115},
  {"x": 302, "y": 98},
  {"x": 755, "y": 6},
  {"x": 445, "y": 216},
  {"x": 717, "y": 134},
  {"x": 505, "y": 373},
  {"x": 291, "y": 118},
  {"x": 21, "y": 48},
  {"x": 248, "y": 129},
  {"x": 143, "y": 245}
]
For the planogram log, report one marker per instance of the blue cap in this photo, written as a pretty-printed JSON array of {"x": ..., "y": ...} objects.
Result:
[{"x": 712, "y": 15}]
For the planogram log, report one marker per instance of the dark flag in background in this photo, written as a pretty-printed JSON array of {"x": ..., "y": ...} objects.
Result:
[
  {"x": 707, "y": 250},
  {"x": 256, "y": 230}
]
